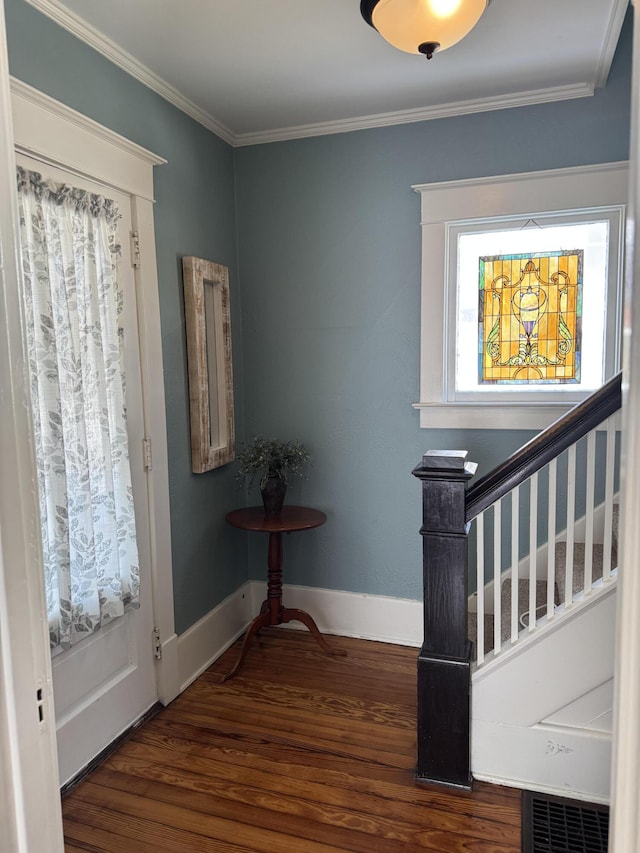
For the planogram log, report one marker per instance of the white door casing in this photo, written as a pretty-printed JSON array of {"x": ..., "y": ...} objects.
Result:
[
  {"x": 30, "y": 816},
  {"x": 625, "y": 786},
  {"x": 104, "y": 694}
]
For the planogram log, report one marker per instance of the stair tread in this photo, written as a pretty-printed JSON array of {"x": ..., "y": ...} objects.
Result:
[
  {"x": 472, "y": 632},
  {"x": 579, "y": 565},
  {"x": 541, "y": 589}
]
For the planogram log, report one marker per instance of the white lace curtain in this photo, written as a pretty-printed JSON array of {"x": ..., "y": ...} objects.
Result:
[{"x": 73, "y": 309}]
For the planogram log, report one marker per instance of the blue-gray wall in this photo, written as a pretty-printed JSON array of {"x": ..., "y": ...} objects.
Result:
[
  {"x": 194, "y": 215},
  {"x": 326, "y": 335},
  {"x": 330, "y": 246}
]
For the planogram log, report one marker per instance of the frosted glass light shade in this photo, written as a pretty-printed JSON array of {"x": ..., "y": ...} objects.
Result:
[{"x": 410, "y": 25}]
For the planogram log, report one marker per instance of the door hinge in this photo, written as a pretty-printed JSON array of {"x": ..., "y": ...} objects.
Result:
[
  {"x": 146, "y": 451},
  {"x": 40, "y": 705},
  {"x": 157, "y": 645},
  {"x": 135, "y": 249}
]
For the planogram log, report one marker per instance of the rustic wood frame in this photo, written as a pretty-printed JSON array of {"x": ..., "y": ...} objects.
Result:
[{"x": 208, "y": 325}]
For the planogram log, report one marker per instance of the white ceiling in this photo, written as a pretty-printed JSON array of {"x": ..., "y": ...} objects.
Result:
[{"x": 259, "y": 70}]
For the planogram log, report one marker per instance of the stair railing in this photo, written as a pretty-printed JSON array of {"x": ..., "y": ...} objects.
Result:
[{"x": 569, "y": 469}]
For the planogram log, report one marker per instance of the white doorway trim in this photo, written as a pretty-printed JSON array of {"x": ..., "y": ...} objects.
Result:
[
  {"x": 625, "y": 834},
  {"x": 30, "y": 813},
  {"x": 46, "y": 129}
]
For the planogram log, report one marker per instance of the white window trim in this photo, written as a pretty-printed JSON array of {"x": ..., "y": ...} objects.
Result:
[
  {"x": 56, "y": 134},
  {"x": 518, "y": 195}
]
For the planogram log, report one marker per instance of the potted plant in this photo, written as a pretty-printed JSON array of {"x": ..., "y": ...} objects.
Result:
[{"x": 274, "y": 462}]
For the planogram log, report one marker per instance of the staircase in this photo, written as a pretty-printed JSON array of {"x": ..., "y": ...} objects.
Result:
[
  {"x": 542, "y": 707},
  {"x": 537, "y": 640},
  {"x": 541, "y": 590}
]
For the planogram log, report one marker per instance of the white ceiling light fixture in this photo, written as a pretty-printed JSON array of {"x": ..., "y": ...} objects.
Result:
[{"x": 423, "y": 26}]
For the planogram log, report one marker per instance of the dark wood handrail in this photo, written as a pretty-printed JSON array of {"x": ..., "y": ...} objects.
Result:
[{"x": 535, "y": 454}]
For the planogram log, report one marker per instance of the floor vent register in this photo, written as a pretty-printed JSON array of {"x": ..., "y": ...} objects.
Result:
[{"x": 557, "y": 825}]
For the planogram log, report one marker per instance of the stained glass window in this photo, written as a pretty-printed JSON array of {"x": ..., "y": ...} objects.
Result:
[
  {"x": 532, "y": 312},
  {"x": 530, "y": 318},
  {"x": 514, "y": 352}
]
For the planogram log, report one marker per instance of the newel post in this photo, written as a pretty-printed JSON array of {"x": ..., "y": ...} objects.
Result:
[{"x": 444, "y": 662}]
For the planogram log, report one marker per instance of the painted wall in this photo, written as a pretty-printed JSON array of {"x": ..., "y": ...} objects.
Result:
[
  {"x": 194, "y": 215},
  {"x": 329, "y": 247},
  {"x": 326, "y": 338}
]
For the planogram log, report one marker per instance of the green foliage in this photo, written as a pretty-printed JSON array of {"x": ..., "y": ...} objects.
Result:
[{"x": 269, "y": 457}]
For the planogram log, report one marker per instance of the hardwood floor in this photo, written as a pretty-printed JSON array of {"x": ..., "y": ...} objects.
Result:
[{"x": 299, "y": 753}]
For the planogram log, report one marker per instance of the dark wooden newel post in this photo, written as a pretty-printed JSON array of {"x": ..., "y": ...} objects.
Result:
[{"x": 444, "y": 662}]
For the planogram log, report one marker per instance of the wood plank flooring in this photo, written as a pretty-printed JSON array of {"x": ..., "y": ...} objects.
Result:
[{"x": 299, "y": 753}]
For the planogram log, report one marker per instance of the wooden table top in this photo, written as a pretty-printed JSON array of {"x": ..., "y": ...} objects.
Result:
[{"x": 289, "y": 519}]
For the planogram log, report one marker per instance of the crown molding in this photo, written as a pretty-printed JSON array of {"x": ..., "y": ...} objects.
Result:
[
  {"x": 458, "y": 108},
  {"x": 108, "y": 48},
  {"x": 74, "y": 24},
  {"x": 610, "y": 42}
]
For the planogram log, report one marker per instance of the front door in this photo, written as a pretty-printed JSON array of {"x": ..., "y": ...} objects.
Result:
[{"x": 107, "y": 681}]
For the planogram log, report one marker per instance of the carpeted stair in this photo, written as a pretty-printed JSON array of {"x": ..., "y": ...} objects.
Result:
[{"x": 541, "y": 589}]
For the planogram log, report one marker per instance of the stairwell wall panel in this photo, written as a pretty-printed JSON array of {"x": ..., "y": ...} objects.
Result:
[{"x": 556, "y": 666}]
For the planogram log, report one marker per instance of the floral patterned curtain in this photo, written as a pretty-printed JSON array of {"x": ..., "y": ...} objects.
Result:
[{"x": 73, "y": 310}]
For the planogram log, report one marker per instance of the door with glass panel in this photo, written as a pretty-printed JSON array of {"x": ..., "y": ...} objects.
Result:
[{"x": 82, "y": 330}]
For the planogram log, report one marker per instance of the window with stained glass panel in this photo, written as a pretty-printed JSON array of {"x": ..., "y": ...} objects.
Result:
[
  {"x": 521, "y": 294},
  {"x": 530, "y": 313},
  {"x": 533, "y": 304}
]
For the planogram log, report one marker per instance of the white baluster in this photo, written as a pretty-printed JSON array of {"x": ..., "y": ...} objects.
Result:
[
  {"x": 552, "y": 534},
  {"x": 533, "y": 549},
  {"x": 480, "y": 587},
  {"x": 497, "y": 575},
  {"x": 571, "y": 520},
  {"x": 551, "y": 538},
  {"x": 608, "y": 498},
  {"x": 515, "y": 560},
  {"x": 588, "y": 538}
]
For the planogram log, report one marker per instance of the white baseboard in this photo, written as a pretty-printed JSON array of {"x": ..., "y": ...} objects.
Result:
[
  {"x": 352, "y": 614},
  {"x": 348, "y": 614},
  {"x": 568, "y": 762},
  {"x": 204, "y": 642},
  {"x": 168, "y": 671}
]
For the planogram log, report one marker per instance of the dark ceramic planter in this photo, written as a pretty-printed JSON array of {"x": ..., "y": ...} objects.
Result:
[{"x": 273, "y": 493}]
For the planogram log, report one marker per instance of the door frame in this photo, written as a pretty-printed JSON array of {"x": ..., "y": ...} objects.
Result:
[
  {"x": 30, "y": 812},
  {"x": 625, "y": 772},
  {"x": 46, "y": 129}
]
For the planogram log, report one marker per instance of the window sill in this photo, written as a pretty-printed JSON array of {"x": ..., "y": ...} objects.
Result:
[{"x": 529, "y": 416}]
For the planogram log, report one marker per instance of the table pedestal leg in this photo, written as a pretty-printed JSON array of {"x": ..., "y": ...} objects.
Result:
[
  {"x": 292, "y": 614},
  {"x": 274, "y": 581},
  {"x": 260, "y": 621},
  {"x": 273, "y": 613}
]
